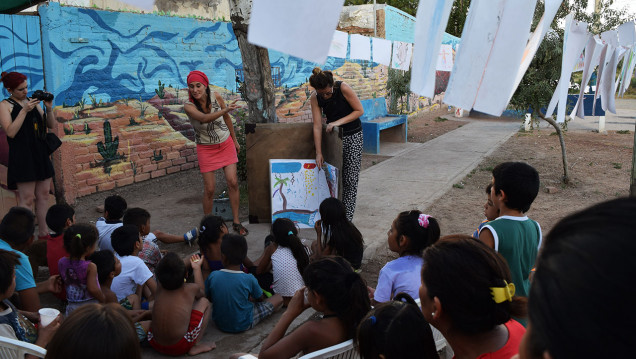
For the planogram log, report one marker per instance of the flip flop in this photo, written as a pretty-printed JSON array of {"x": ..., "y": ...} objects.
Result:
[{"x": 238, "y": 227}]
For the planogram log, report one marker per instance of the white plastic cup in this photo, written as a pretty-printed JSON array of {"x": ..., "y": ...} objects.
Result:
[{"x": 47, "y": 315}]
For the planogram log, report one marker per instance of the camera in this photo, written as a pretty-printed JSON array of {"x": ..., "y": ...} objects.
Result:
[{"x": 42, "y": 96}]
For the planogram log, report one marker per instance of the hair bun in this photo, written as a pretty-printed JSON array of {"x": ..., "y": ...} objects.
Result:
[
  {"x": 4, "y": 73},
  {"x": 316, "y": 70}
]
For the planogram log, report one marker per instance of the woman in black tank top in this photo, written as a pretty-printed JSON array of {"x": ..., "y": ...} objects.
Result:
[
  {"x": 341, "y": 106},
  {"x": 29, "y": 169}
]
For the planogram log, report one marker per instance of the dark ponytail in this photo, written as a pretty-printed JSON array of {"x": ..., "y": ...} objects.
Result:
[
  {"x": 78, "y": 238},
  {"x": 320, "y": 79},
  {"x": 286, "y": 235},
  {"x": 420, "y": 235},
  {"x": 210, "y": 231},
  {"x": 343, "y": 290}
]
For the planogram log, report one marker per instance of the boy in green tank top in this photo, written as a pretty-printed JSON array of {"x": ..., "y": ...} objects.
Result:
[{"x": 515, "y": 185}]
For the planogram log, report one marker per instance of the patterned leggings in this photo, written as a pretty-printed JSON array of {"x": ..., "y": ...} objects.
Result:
[{"x": 351, "y": 161}]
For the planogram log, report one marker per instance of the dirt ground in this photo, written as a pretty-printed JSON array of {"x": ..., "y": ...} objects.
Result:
[{"x": 599, "y": 170}]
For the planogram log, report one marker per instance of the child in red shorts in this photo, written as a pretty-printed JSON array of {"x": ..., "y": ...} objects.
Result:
[{"x": 181, "y": 312}]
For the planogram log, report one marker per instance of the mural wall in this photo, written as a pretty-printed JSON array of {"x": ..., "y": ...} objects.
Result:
[{"x": 119, "y": 82}]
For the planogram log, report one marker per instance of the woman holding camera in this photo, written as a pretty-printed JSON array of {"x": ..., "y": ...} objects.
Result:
[{"x": 30, "y": 168}]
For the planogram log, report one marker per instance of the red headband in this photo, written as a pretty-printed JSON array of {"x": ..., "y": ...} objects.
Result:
[
  {"x": 12, "y": 80},
  {"x": 198, "y": 76}
]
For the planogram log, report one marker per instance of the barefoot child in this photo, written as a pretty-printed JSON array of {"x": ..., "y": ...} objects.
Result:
[
  {"x": 239, "y": 302},
  {"x": 79, "y": 274},
  {"x": 181, "y": 311}
]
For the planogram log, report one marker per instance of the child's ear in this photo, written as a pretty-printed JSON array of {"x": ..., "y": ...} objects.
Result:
[
  {"x": 68, "y": 223},
  {"x": 111, "y": 275},
  {"x": 403, "y": 241}
]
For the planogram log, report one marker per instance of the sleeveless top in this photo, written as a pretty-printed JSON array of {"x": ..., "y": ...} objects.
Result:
[
  {"x": 211, "y": 133},
  {"x": 287, "y": 278},
  {"x": 23, "y": 328},
  {"x": 28, "y": 155},
  {"x": 337, "y": 107},
  {"x": 74, "y": 273}
]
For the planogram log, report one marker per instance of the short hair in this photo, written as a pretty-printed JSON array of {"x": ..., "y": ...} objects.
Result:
[
  {"x": 105, "y": 263},
  {"x": 407, "y": 224},
  {"x": 137, "y": 216},
  {"x": 115, "y": 206},
  {"x": 519, "y": 181},
  {"x": 123, "y": 239},
  {"x": 460, "y": 264},
  {"x": 395, "y": 329},
  {"x": 585, "y": 279},
  {"x": 170, "y": 271},
  {"x": 57, "y": 215},
  {"x": 488, "y": 188},
  {"x": 343, "y": 290},
  {"x": 234, "y": 248},
  {"x": 320, "y": 79},
  {"x": 79, "y": 237},
  {"x": 17, "y": 226},
  {"x": 82, "y": 334},
  {"x": 8, "y": 261}
]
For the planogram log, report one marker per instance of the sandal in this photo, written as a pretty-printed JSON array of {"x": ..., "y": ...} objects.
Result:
[{"x": 238, "y": 227}]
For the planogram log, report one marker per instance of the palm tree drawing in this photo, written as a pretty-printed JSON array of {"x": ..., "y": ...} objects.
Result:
[{"x": 281, "y": 182}]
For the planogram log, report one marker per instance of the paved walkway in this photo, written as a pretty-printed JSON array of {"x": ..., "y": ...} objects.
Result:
[{"x": 415, "y": 176}]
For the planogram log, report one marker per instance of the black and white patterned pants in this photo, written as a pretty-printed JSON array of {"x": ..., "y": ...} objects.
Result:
[{"x": 351, "y": 161}]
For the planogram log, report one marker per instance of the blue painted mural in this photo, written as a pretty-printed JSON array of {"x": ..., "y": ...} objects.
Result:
[{"x": 21, "y": 49}]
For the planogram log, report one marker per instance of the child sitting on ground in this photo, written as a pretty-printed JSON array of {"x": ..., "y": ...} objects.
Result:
[
  {"x": 141, "y": 218},
  {"x": 13, "y": 323},
  {"x": 336, "y": 235},
  {"x": 211, "y": 232},
  {"x": 150, "y": 252},
  {"x": 181, "y": 311},
  {"x": 109, "y": 267},
  {"x": 490, "y": 212},
  {"x": 79, "y": 275},
  {"x": 334, "y": 289},
  {"x": 134, "y": 273},
  {"x": 232, "y": 291},
  {"x": 58, "y": 218},
  {"x": 515, "y": 185},
  {"x": 394, "y": 330},
  {"x": 411, "y": 232},
  {"x": 286, "y": 257},
  {"x": 114, "y": 208}
]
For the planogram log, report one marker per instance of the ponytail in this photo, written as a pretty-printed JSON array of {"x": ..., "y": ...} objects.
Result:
[
  {"x": 286, "y": 235},
  {"x": 343, "y": 290},
  {"x": 320, "y": 79},
  {"x": 421, "y": 229},
  {"x": 78, "y": 238}
]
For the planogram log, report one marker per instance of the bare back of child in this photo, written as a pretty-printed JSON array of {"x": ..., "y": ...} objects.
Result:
[{"x": 181, "y": 312}]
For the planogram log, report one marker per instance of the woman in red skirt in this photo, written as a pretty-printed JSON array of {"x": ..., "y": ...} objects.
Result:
[{"x": 216, "y": 141}]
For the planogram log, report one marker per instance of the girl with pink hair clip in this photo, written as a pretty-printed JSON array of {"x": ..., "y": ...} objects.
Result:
[{"x": 410, "y": 233}]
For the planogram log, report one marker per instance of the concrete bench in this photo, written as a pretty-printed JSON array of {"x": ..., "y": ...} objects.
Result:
[{"x": 378, "y": 125}]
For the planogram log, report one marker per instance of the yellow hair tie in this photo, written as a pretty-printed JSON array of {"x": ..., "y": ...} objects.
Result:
[{"x": 502, "y": 294}]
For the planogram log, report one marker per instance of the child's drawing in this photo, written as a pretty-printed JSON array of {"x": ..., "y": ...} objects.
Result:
[
  {"x": 298, "y": 188},
  {"x": 402, "y": 52}
]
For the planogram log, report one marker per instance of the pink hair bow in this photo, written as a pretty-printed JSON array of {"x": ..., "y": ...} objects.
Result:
[{"x": 422, "y": 219}]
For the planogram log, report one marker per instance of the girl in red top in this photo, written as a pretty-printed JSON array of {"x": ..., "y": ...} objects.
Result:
[{"x": 467, "y": 294}]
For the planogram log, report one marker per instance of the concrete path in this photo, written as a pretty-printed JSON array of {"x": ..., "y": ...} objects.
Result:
[{"x": 415, "y": 176}]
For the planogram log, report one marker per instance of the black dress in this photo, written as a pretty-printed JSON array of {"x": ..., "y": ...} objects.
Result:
[{"x": 28, "y": 155}]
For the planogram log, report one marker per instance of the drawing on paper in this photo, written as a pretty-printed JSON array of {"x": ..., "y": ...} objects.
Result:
[
  {"x": 445, "y": 58},
  {"x": 402, "y": 52},
  {"x": 298, "y": 188}
]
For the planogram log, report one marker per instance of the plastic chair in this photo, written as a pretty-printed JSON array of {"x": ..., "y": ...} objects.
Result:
[
  {"x": 344, "y": 350},
  {"x": 13, "y": 348}
]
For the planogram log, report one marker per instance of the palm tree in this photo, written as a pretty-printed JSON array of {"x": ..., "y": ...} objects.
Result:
[{"x": 282, "y": 182}]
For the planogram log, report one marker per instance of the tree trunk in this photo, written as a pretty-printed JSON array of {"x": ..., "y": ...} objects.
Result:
[
  {"x": 257, "y": 74},
  {"x": 566, "y": 175}
]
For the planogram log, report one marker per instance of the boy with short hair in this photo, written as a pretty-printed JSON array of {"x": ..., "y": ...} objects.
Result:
[
  {"x": 490, "y": 212},
  {"x": 239, "y": 302},
  {"x": 127, "y": 244},
  {"x": 58, "y": 218},
  {"x": 114, "y": 207},
  {"x": 181, "y": 312},
  {"x": 515, "y": 185}
]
